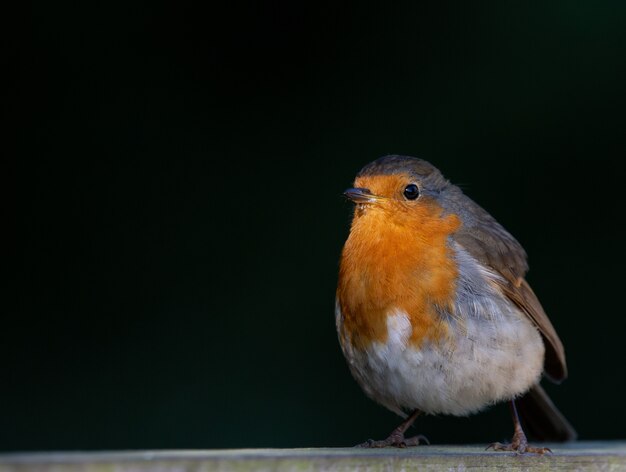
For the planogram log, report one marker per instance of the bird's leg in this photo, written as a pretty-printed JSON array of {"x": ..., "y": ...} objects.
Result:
[
  {"x": 396, "y": 438},
  {"x": 519, "y": 443}
]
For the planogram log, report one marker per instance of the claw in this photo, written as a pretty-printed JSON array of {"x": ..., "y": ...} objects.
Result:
[
  {"x": 395, "y": 440},
  {"x": 367, "y": 443},
  {"x": 519, "y": 444},
  {"x": 519, "y": 449}
]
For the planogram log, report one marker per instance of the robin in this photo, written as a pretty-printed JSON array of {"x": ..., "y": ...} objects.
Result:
[{"x": 433, "y": 313}]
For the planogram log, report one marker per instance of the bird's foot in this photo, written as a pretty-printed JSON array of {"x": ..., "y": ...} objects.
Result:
[
  {"x": 396, "y": 439},
  {"x": 520, "y": 449},
  {"x": 519, "y": 445}
]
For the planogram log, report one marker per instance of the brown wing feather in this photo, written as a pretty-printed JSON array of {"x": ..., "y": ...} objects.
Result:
[
  {"x": 487, "y": 241},
  {"x": 523, "y": 296}
]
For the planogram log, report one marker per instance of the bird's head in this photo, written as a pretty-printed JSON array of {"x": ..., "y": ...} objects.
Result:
[{"x": 398, "y": 189}]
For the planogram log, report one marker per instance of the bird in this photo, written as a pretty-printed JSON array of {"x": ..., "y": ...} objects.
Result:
[{"x": 433, "y": 312}]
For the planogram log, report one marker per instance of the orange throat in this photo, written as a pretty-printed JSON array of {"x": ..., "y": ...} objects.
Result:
[{"x": 396, "y": 260}]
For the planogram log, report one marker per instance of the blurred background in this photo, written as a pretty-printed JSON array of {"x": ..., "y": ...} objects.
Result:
[{"x": 178, "y": 219}]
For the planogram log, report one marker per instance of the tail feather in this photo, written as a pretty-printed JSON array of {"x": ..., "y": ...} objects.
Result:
[{"x": 541, "y": 419}]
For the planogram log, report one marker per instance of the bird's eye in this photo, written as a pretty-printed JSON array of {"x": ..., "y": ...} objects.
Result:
[{"x": 411, "y": 192}]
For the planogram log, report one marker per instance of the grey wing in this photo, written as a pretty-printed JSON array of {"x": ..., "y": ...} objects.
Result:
[{"x": 489, "y": 243}]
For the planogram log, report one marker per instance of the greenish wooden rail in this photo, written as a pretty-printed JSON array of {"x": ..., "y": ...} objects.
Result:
[{"x": 579, "y": 456}]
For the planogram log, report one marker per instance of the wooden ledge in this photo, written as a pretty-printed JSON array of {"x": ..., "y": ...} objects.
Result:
[{"x": 579, "y": 456}]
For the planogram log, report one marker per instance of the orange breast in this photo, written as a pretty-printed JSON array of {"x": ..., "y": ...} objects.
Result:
[{"x": 397, "y": 259}]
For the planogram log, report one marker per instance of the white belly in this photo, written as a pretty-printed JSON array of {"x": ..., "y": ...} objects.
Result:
[{"x": 489, "y": 361}]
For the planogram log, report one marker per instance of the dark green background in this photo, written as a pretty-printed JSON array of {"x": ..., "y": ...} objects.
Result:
[{"x": 179, "y": 219}]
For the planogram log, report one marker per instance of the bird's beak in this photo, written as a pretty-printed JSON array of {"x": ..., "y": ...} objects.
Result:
[{"x": 361, "y": 195}]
